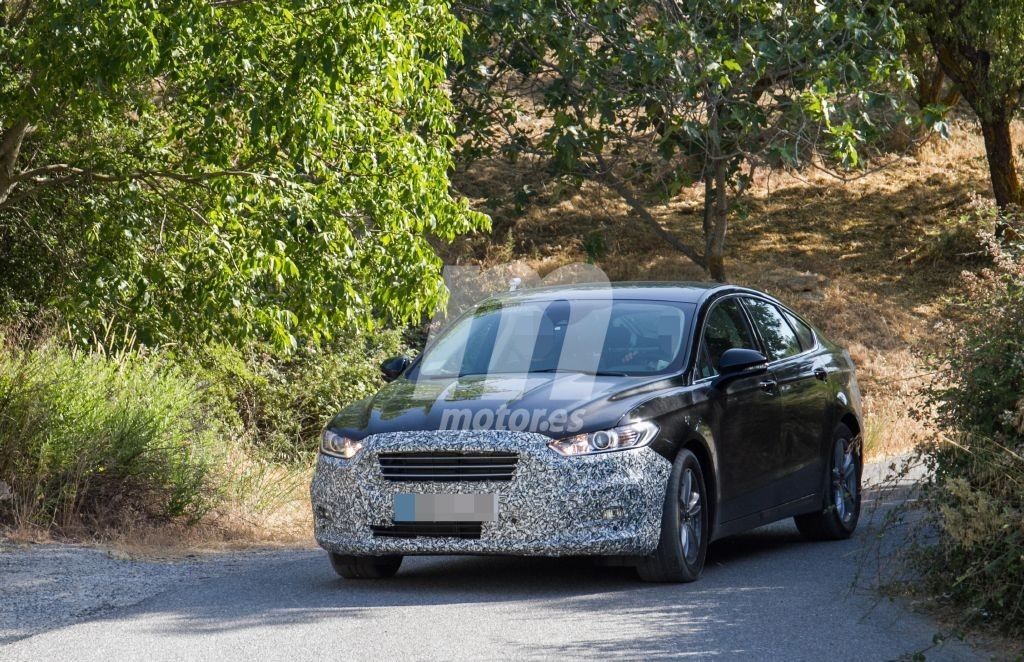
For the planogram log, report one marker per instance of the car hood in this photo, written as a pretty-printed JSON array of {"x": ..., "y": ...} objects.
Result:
[{"x": 554, "y": 404}]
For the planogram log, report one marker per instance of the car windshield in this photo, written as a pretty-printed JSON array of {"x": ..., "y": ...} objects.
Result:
[{"x": 606, "y": 336}]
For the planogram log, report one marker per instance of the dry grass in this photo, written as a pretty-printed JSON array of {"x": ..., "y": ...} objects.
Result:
[{"x": 889, "y": 247}]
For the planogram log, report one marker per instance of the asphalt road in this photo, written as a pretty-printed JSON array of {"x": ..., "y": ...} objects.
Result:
[{"x": 764, "y": 595}]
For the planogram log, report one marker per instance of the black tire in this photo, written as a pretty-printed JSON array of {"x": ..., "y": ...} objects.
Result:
[
  {"x": 674, "y": 560},
  {"x": 365, "y": 567},
  {"x": 837, "y": 519}
]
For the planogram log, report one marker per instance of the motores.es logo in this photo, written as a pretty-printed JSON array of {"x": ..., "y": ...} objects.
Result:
[{"x": 555, "y": 421}]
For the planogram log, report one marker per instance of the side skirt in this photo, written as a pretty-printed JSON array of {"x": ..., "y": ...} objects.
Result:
[{"x": 806, "y": 504}]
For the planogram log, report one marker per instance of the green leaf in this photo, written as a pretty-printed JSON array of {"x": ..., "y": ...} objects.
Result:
[{"x": 252, "y": 162}]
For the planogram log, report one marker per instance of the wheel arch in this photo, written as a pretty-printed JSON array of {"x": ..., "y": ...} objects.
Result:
[
  {"x": 849, "y": 419},
  {"x": 702, "y": 451}
]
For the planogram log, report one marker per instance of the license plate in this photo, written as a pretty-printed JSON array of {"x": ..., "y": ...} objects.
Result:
[{"x": 446, "y": 507}]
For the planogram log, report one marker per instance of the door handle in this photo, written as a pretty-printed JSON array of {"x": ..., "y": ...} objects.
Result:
[
  {"x": 821, "y": 374},
  {"x": 769, "y": 386}
]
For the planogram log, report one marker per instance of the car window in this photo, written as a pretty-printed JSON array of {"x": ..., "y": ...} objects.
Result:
[
  {"x": 802, "y": 331},
  {"x": 779, "y": 338},
  {"x": 725, "y": 328}
]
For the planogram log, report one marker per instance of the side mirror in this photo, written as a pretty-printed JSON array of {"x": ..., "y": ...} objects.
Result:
[
  {"x": 737, "y": 361},
  {"x": 394, "y": 367}
]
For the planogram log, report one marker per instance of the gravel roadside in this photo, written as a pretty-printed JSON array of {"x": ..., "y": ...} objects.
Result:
[{"x": 44, "y": 586}]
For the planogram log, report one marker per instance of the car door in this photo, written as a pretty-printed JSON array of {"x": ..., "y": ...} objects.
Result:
[
  {"x": 745, "y": 416},
  {"x": 810, "y": 420},
  {"x": 803, "y": 395}
]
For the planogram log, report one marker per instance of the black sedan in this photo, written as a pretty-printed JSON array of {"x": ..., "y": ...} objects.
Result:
[{"x": 633, "y": 421}]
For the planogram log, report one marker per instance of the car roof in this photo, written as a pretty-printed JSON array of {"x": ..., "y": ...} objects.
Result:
[{"x": 682, "y": 291}]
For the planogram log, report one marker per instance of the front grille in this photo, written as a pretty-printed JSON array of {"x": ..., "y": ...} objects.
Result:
[
  {"x": 449, "y": 466},
  {"x": 469, "y": 530}
]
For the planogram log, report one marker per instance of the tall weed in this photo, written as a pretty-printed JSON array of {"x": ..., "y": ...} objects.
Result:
[{"x": 89, "y": 437}]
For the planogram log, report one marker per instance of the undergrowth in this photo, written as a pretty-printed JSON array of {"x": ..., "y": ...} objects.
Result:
[
  {"x": 282, "y": 402},
  {"x": 117, "y": 440},
  {"x": 974, "y": 499},
  {"x": 94, "y": 436}
]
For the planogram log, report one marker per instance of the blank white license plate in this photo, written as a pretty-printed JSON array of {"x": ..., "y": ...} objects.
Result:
[{"x": 446, "y": 508}]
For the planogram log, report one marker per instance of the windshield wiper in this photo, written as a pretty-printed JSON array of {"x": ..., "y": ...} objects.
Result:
[{"x": 594, "y": 373}]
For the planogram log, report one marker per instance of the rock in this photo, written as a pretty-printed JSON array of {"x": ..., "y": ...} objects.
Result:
[{"x": 796, "y": 281}]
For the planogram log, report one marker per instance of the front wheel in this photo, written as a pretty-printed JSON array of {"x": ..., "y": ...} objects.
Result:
[
  {"x": 365, "y": 567},
  {"x": 684, "y": 526},
  {"x": 838, "y": 517}
]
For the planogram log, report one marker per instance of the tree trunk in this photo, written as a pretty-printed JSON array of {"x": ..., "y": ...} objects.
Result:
[
  {"x": 968, "y": 67},
  {"x": 709, "y": 207},
  {"x": 716, "y": 241},
  {"x": 932, "y": 90},
  {"x": 10, "y": 147},
  {"x": 716, "y": 210},
  {"x": 929, "y": 86},
  {"x": 1001, "y": 165}
]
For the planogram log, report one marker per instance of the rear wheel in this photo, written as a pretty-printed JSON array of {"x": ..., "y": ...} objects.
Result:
[
  {"x": 365, "y": 567},
  {"x": 684, "y": 526},
  {"x": 841, "y": 511}
]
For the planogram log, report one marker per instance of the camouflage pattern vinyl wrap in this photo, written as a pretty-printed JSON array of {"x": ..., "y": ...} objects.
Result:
[{"x": 553, "y": 505}]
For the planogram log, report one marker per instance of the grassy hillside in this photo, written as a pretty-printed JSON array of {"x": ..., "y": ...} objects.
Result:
[{"x": 873, "y": 260}]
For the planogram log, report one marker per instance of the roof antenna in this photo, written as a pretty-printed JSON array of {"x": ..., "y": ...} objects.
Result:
[{"x": 514, "y": 284}]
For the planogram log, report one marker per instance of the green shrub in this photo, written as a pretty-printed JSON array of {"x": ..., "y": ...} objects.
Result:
[
  {"x": 282, "y": 402},
  {"x": 976, "y": 495},
  {"x": 98, "y": 439},
  {"x": 90, "y": 437}
]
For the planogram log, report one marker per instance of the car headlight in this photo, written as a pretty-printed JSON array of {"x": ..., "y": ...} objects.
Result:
[
  {"x": 621, "y": 438},
  {"x": 335, "y": 445}
]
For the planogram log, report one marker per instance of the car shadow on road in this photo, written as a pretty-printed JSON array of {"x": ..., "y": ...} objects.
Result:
[{"x": 301, "y": 587}]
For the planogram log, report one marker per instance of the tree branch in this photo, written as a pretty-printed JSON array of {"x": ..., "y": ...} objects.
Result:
[
  {"x": 41, "y": 175},
  {"x": 10, "y": 147},
  {"x": 615, "y": 184}
]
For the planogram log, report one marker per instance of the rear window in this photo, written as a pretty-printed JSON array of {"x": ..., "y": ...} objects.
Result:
[{"x": 803, "y": 331}]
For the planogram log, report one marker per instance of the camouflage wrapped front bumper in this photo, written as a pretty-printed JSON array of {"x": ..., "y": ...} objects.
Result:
[{"x": 552, "y": 506}]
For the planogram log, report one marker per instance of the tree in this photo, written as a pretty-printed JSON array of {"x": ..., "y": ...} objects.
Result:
[
  {"x": 978, "y": 45},
  {"x": 932, "y": 89},
  {"x": 226, "y": 169},
  {"x": 643, "y": 96}
]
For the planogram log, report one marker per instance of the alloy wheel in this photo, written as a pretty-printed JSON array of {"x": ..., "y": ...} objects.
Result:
[
  {"x": 691, "y": 526},
  {"x": 844, "y": 479}
]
